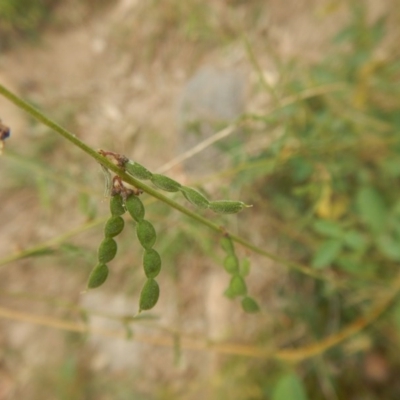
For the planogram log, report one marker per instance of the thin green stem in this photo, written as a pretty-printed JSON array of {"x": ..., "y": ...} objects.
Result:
[{"x": 140, "y": 185}]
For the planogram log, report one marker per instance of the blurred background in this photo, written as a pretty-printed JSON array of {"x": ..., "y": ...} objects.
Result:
[{"x": 301, "y": 101}]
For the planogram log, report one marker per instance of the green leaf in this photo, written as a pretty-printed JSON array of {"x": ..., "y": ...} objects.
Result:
[
  {"x": 372, "y": 208},
  {"x": 395, "y": 314},
  {"x": 326, "y": 253},
  {"x": 355, "y": 241},
  {"x": 289, "y": 387},
  {"x": 328, "y": 228},
  {"x": 389, "y": 247},
  {"x": 349, "y": 264}
]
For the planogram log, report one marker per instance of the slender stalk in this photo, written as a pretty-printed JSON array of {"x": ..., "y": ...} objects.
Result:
[{"x": 139, "y": 184}]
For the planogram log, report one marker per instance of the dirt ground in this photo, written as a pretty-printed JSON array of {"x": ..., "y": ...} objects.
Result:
[{"x": 115, "y": 78}]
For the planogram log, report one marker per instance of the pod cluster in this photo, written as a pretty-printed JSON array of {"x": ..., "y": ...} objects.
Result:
[
  {"x": 108, "y": 247},
  {"x": 196, "y": 198},
  {"x": 121, "y": 202},
  {"x": 147, "y": 237},
  {"x": 237, "y": 285},
  {"x": 123, "y": 199}
]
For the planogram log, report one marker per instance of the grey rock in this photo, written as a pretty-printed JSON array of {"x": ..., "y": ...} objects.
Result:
[{"x": 212, "y": 99}]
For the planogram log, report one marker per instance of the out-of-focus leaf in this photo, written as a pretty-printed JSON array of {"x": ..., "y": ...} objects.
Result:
[
  {"x": 396, "y": 316},
  {"x": 289, "y": 387},
  {"x": 389, "y": 246},
  {"x": 349, "y": 264},
  {"x": 355, "y": 240},
  {"x": 326, "y": 253},
  {"x": 328, "y": 228},
  {"x": 372, "y": 208}
]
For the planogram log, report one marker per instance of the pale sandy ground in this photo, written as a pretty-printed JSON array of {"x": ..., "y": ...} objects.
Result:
[{"x": 98, "y": 79}]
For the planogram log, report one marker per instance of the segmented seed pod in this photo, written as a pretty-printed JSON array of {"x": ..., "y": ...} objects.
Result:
[
  {"x": 137, "y": 170},
  {"x": 151, "y": 263},
  {"x": 114, "y": 226},
  {"x": 135, "y": 207},
  {"x": 165, "y": 183},
  {"x": 149, "y": 295},
  {"x": 231, "y": 264},
  {"x": 117, "y": 205},
  {"x": 98, "y": 276},
  {"x": 249, "y": 305},
  {"x": 237, "y": 286},
  {"x": 227, "y": 245},
  {"x": 107, "y": 250},
  {"x": 227, "y": 206},
  {"x": 146, "y": 234},
  {"x": 194, "y": 197}
]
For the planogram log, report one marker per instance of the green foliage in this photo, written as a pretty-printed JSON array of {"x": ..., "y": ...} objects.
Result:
[
  {"x": 167, "y": 184},
  {"x": 326, "y": 190},
  {"x": 23, "y": 17},
  {"x": 237, "y": 285},
  {"x": 289, "y": 387}
]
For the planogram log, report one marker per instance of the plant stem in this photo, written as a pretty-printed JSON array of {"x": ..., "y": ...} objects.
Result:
[{"x": 140, "y": 185}]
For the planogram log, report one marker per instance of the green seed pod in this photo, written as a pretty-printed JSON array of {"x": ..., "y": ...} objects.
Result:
[
  {"x": 117, "y": 205},
  {"x": 114, "y": 226},
  {"x": 149, "y": 295},
  {"x": 249, "y": 305},
  {"x": 165, "y": 183},
  {"x": 151, "y": 263},
  {"x": 146, "y": 234},
  {"x": 231, "y": 264},
  {"x": 237, "y": 287},
  {"x": 107, "y": 250},
  {"x": 227, "y": 206},
  {"x": 137, "y": 170},
  {"x": 135, "y": 208},
  {"x": 227, "y": 245},
  {"x": 98, "y": 276},
  {"x": 194, "y": 197}
]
